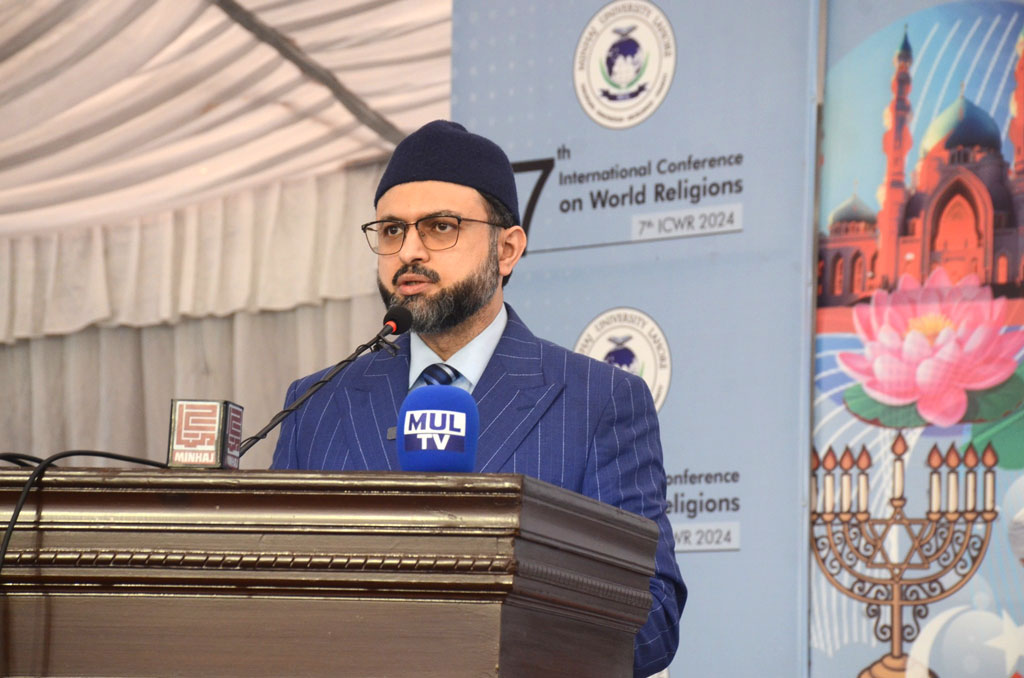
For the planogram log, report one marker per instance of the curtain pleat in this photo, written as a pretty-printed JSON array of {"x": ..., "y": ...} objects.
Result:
[
  {"x": 275, "y": 247},
  {"x": 112, "y": 109},
  {"x": 110, "y": 388},
  {"x": 179, "y": 205},
  {"x": 226, "y": 299}
]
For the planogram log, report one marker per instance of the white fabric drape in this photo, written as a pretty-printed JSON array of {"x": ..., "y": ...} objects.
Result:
[
  {"x": 270, "y": 248},
  {"x": 111, "y": 109},
  {"x": 179, "y": 204},
  {"x": 110, "y": 388},
  {"x": 104, "y": 326}
]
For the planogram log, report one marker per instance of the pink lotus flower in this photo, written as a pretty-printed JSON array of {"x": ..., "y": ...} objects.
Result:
[{"x": 930, "y": 345}]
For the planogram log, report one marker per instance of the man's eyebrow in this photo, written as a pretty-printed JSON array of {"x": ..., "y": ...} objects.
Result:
[
  {"x": 437, "y": 213},
  {"x": 441, "y": 213}
]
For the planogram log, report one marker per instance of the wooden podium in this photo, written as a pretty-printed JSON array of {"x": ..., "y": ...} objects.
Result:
[{"x": 261, "y": 573}]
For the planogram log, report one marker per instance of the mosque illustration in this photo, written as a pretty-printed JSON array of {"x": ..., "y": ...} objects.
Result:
[{"x": 962, "y": 210}]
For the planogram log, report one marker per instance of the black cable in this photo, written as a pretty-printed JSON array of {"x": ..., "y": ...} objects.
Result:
[
  {"x": 25, "y": 457},
  {"x": 14, "y": 457},
  {"x": 28, "y": 458},
  {"x": 15, "y": 460},
  {"x": 396, "y": 321},
  {"x": 316, "y": 386},
  {"x": 37, "y": 474}
]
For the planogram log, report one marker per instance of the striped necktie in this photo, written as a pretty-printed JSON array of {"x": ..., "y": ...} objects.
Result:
[{"x": 439, "y": 374}]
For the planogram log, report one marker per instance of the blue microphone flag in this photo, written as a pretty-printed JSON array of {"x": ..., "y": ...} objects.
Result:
[{"x": 438, "y": 427}]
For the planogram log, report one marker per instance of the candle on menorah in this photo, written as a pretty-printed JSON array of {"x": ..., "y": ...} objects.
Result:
[
  {"x": 971, "y": 479},
  {"x": 829, "y": 464},
  {"x": 934, "y": 556},
  {"x": 846, "y": 463},
  {"x": 952, "y": 481},
  {"x": 899, "y": 446},
  {"x": 863, "y": 463},
  {"x": 935, "y": 493},
  {"x": 989, "y": 459}
]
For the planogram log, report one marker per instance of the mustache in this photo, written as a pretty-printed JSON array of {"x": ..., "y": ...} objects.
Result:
[{"x": 415, "y": 269}]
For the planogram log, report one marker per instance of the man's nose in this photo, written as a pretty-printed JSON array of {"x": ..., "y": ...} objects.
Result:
[{"x": 412, "y": 247}]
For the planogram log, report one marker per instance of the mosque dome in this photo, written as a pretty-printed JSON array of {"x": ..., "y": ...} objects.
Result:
[
  {"x": 852, "y": 209},
  {"x": 962, "y": 124}
]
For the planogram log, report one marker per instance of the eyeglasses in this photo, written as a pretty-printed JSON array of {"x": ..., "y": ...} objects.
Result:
[{"x": 436, "y": 233}]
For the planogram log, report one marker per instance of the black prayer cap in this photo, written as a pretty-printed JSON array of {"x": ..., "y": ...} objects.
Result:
[{"x": 445, "y": 151}]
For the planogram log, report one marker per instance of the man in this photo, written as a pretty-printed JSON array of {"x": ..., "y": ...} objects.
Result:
[{"x": 447, "y": 238}]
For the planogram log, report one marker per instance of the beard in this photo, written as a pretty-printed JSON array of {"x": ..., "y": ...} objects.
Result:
[{"x": 449, "y": 307}]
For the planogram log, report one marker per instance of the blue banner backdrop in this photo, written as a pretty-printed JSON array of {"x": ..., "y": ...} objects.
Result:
[{"x": 665, "y": 161}]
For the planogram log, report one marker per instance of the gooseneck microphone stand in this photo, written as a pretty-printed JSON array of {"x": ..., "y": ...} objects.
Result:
[{"x": 396, "y": 321}]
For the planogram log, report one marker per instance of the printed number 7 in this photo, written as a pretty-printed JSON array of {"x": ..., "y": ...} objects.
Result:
[{"x": 544, "y": 166}]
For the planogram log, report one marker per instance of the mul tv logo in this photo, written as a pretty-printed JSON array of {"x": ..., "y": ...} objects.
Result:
[
  {"x": 624, "y": 63},
  {"x": 443, "y": 430}
]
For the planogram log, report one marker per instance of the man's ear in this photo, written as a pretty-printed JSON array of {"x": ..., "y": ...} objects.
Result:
[{"x": 511, "y": 245}]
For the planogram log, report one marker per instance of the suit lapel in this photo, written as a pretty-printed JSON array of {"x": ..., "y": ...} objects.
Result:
[
  {"x": 376, "y": 396},
  {"x": 511, "y": 396}
]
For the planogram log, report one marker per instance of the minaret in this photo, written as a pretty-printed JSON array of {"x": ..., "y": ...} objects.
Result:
[
  {"x": 1016, "y": 131},
  {"x": 892, "y": 194}
]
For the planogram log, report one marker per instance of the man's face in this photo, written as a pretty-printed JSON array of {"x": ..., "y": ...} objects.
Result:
[{"x": 442, "y": 288}]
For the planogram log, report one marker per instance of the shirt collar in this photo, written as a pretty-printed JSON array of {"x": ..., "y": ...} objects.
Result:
[{"x": 470, "y": 360}]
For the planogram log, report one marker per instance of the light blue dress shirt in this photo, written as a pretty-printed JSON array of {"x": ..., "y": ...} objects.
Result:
[{"x": 470, "y": 360}]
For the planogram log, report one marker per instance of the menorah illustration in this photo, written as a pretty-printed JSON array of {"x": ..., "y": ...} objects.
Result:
[{"x": 894, "y": 562}]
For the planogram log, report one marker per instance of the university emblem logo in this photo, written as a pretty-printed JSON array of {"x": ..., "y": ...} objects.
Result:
[
  {"x": 624, "y": 63},
  {"x": 630, "y": 340}
]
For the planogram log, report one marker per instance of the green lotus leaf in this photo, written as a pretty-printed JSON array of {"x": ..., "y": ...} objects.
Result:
[
  {"x": 991, "y": 405},
  {"x": 1005, "y": 436},
  {"x": 995, "y": 403},
  {"x": 868, "y": 409}
]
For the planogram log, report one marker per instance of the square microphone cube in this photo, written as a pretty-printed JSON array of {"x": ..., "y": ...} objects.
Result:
[{"x": 204, "y": 434}]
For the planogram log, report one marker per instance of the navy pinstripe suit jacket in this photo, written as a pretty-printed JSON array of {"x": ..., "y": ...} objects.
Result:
[{"x": 544, "y": 412}]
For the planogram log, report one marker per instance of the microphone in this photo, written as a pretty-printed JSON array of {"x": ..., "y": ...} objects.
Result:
[
  {"x": 397, "y": 320},
  {"x": 438, "y": 428}
]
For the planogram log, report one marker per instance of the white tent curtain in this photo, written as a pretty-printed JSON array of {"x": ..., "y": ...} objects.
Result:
[
  {"x": 179, "y": 203},
  {"x": 273, "y": 247},
  {"x": 110, "y": 388},
  {"x": 110, "y": 109},
  {"x": 111, "y": 323}
]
